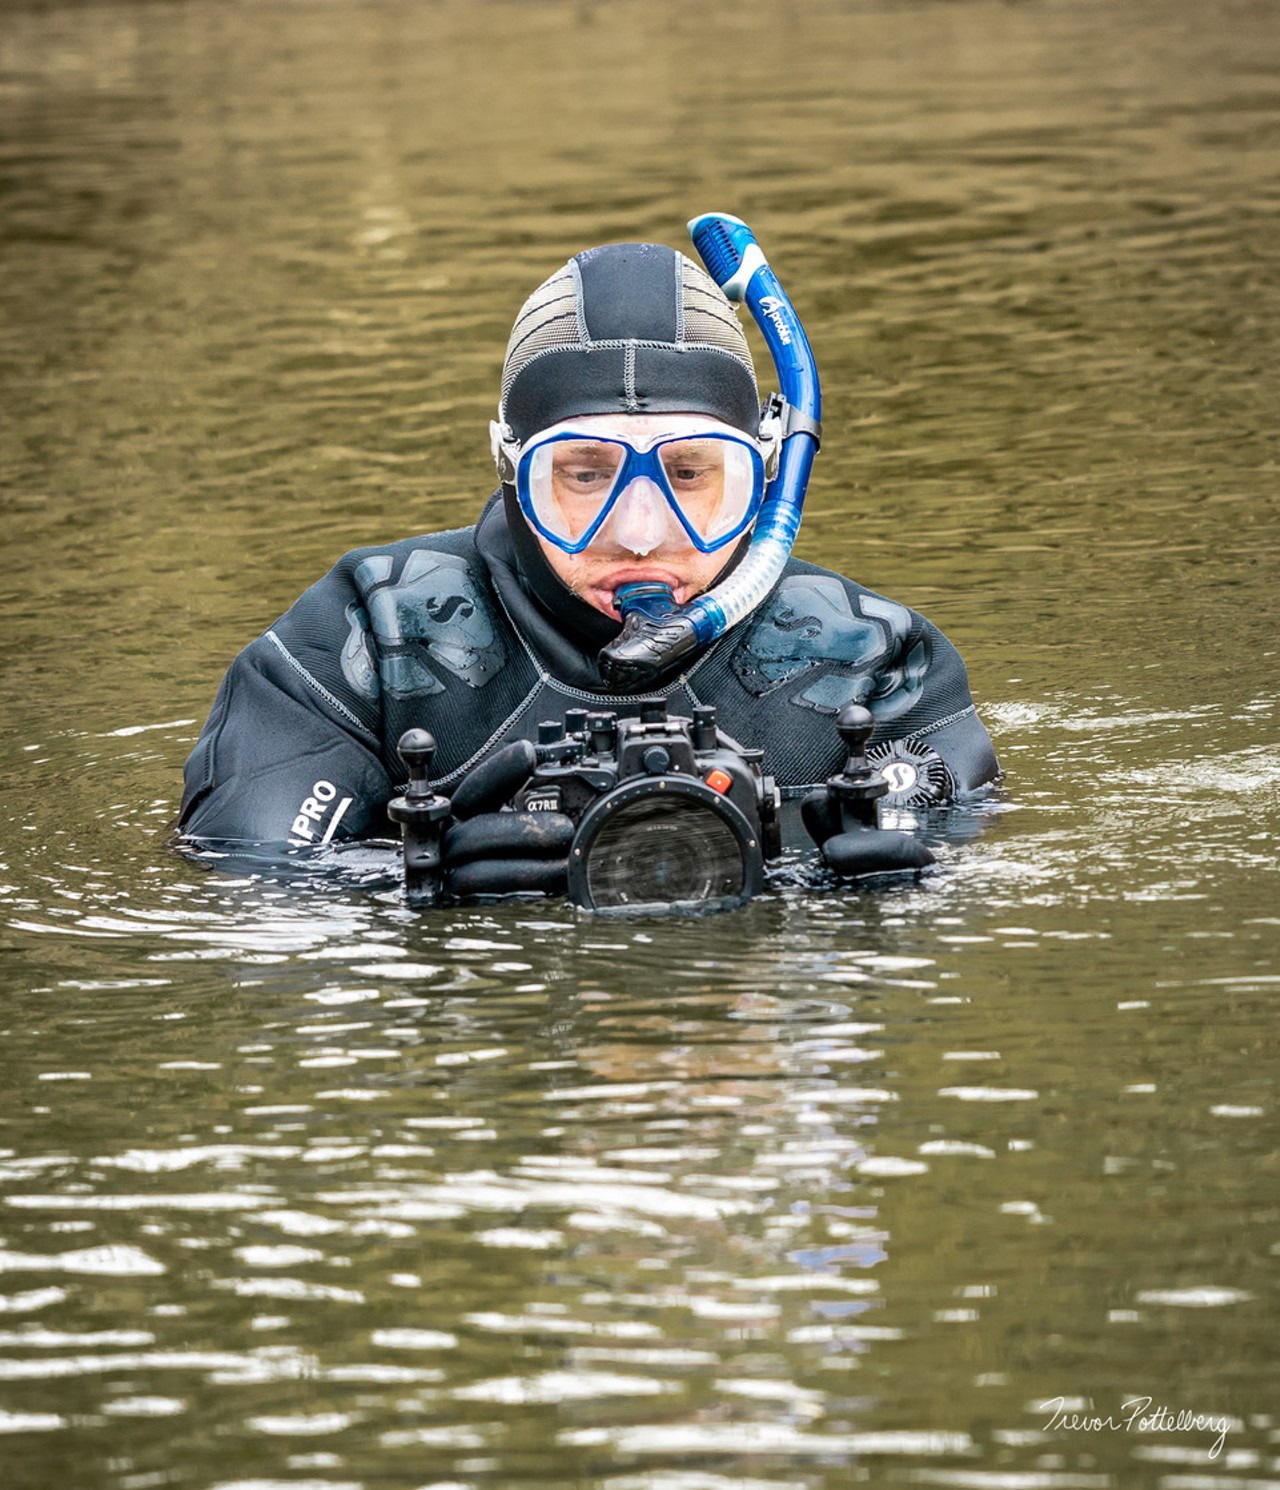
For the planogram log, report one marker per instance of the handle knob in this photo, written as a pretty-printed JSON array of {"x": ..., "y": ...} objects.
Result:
[
  {"x": 859, "y": 786},
  {"x": 855, "y": 726},
  {"x": 603, "y": 729},
  {"x": 422, "y": 816},
  {"x": 416, "y": 749}
]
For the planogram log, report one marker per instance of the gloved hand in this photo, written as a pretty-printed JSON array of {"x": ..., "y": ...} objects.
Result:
[
  {"x": 865, "y": 850},
  {"x": 489, "y": 851}
]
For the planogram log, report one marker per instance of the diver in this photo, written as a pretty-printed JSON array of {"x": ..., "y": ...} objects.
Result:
[{"x": 638, "y": 481}]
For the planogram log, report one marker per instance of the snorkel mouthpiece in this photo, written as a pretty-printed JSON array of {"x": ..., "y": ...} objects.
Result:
[
  {"x": 649, "y": 599},
  {"x": 656, "y": 633}
]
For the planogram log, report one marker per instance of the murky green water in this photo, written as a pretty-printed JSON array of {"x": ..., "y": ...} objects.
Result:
[{"x": 299, "y": 1189}]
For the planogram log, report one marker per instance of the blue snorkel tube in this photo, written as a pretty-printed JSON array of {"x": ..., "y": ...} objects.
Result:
[{"x": 656, "y": 633}]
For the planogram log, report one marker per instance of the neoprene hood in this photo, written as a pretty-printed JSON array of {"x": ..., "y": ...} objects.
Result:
[{"x": 630, "y": 328}]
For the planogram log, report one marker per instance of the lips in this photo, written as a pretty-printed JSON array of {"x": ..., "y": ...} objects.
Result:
[{"x": 596, "y": 577}]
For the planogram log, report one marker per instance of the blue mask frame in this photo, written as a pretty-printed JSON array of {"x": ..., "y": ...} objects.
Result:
[{"x": 635, "y": 464}]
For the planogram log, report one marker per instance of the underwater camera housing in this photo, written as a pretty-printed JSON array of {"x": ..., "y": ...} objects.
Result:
[
  {"x": 669, "y": 812},
  {"x": 660, "y": 812},
  {"x": 642, "y": 813}
]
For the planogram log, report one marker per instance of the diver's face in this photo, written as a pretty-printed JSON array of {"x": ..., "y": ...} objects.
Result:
[{"x": 641, "y": 540}]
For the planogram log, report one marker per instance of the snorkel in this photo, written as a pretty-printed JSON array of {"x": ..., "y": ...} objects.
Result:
[{"x": 656, "y": 632}]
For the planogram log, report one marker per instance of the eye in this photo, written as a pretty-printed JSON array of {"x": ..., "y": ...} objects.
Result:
[
  {"x": 692, "y": 465},
  {"x": 585, "y": 478},
  {"x": 584, "y": 470},
  {"x": 691, "y": 472}
]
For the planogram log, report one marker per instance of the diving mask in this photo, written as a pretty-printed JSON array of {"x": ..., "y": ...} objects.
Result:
[{"x": 571, "y": 477}]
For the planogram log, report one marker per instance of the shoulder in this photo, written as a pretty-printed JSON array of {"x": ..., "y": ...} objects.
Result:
[
  {"x": 803, "y": 578},
  {"x": 380, "y": 563},
  {"x": 815, "y": 616},
  {"x": 820, "y": 641},
  {"x": 361, "y": 572},
  {"x": 381, "y": 604},
  {"x": 823, "y": 640}
]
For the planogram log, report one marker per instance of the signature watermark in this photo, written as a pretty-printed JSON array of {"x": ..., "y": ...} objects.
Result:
[{"x": 1137, "y": 1415}]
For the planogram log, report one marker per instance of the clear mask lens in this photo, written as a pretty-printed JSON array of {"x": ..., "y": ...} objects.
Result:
[{"x": 570, "y": 483}]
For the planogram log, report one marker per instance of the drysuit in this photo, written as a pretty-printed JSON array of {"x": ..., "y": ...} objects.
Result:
[{"x": 470, "y": 635}]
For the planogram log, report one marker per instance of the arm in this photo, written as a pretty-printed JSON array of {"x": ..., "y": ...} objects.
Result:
[
  {"x": 945, "y": 720},
  {"x": 290, "y": 755}
]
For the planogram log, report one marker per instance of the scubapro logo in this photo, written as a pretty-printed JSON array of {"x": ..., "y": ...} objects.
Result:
[
  {"x": 900, "y": 775},
  {"x": 772, "y": 307},
  {"x": 321, "y": 804},
  {"x": 914, "y": 772}
]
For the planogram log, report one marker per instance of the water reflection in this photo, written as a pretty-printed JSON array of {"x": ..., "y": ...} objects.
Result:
[
  {"x": 429, "y": 1184},
  {"x": 754, "y": 1189}
]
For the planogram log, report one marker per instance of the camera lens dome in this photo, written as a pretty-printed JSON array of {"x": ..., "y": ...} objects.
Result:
[{"x": 654, "y": 847}]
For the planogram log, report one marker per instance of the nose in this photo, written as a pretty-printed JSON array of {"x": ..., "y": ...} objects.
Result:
[{"x": 641, "y": 520}]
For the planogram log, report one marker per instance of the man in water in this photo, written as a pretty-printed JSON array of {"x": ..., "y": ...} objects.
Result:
[{"x": 631, "y": 448}]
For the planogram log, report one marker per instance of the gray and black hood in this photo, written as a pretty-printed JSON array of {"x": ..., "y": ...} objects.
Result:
[{"x": 630, "y": 328}]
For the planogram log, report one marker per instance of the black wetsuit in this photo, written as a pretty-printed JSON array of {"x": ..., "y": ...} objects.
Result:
[{"x": 470, "y": 635}]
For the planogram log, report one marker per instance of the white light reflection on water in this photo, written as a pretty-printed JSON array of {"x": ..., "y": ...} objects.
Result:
[
  {"x": 112, "y": 1261},
  {"x": 766, "y": 1439}
]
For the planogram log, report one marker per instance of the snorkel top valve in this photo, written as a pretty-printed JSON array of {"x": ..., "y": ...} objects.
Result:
[
  {"x": 656, "y": 633},
  {"x": 728, "y": 248}
]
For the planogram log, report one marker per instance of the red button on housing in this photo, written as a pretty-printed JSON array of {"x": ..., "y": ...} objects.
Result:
[{"x": 718, "y": 780}]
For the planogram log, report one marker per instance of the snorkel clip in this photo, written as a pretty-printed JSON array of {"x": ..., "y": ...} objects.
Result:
[{"x": 791, "y": 420}]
